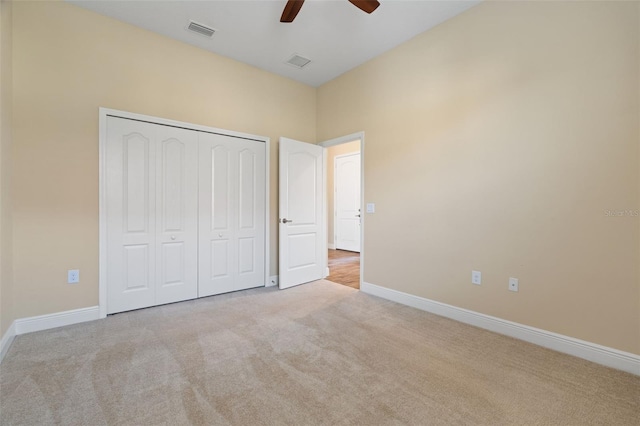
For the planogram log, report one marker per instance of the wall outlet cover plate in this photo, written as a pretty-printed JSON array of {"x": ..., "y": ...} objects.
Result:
[
  {"x": 73, "y": 276},
  {"x": 513, "y": 284}
]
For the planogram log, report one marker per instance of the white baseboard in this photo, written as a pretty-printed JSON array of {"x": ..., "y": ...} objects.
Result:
[
  {"x": 58, "y": 319},
  {"x": 7, "y": 339},
  {"x": 603, "y": 355},
  {"x": 331, "y": 246},
  {"x": 46, "y": 322},
  {"x": 273, "y": 281}
]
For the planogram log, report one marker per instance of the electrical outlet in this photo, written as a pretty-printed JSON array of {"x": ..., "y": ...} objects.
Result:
[
  {"x": 476, "y": 277},
  {"x": 73, "y": 276},
  {"x": 513, "y": 284}
]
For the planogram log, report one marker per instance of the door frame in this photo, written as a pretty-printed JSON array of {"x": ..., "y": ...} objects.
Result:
[
  {"x": 103, "y": 113},
  {"x": 339, "y": 141},
  {"x": 335, "y": 199}
]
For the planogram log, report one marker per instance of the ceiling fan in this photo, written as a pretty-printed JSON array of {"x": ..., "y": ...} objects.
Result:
[{"x": 293, "y": 7}]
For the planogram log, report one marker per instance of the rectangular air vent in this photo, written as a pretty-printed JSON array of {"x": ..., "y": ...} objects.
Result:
[
  {"x": 298, "y": 61},
  {"x": 201, "y": 29}
]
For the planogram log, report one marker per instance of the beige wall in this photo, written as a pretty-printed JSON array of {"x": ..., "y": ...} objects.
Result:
[
  {"x": 68, "y": 62},
  {"x": 496, "y": 142},
  {"x": 6, "y": 283},
  {"x": 332, "y": 152}
]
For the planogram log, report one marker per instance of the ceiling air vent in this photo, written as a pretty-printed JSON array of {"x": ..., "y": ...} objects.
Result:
[
  {"x": 298, "y": 61},
  {"x": 201, "y": 29}
]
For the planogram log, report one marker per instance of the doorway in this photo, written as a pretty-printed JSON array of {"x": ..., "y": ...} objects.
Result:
[
  {"x": 307, "y": 250},
  {"x": 344, "y": 215},
  {"x": 344, "y": 268}
]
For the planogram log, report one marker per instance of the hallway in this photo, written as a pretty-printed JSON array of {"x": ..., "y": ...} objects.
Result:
[{"x": 344, "y": 268}]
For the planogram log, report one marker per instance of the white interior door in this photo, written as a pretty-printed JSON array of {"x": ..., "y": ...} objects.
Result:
[
  {"x": 347, "y": 202},
  {"x": 302, "y": 237},
  {"x": 151, "y": 195},
  {"x": 231, "y": 214}
]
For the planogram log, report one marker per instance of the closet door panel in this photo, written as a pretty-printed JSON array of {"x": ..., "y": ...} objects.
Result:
[
  {"x": 221, "y": 180},
  {"x": 220, "y": 261},
  {"x": 177, "y": 209},
  {"x": 251, "y": 211},
  {"x": 232, "y": 209},
  {"x": 131, "y": 218},
  {"x": 217, "y": 216},
  {"x": 246, "y": 258}
]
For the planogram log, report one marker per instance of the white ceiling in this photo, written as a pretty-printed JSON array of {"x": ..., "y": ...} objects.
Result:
[{"x": 334, "y": 34}]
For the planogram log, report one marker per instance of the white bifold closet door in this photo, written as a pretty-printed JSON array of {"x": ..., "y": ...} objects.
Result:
[
  {"x": 231, "y": 214},
  {"x": 185, "y": 214},
  {"x": 152, "y": 206}
]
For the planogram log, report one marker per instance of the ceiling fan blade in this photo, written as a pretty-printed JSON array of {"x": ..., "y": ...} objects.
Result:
[
  {"x": 366, "y": 5},
  {"x": 291, "y": 10}
]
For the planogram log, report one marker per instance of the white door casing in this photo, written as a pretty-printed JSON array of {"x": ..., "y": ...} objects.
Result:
[
  {"x": 301, "y": 213},
  {"x": 232, "y": 207},
  {"x": 151, "y": 207},
  {"x": 347, "y": 202}
]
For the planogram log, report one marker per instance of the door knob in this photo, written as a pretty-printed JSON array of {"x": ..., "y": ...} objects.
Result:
[
  {"x": 173, "y": 237},
  {"x": 285, "y": 220},
  {"x": 357, "y": 215}
]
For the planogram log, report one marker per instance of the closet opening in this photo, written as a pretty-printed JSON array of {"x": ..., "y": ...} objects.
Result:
[{"x": 183, "y": 211}]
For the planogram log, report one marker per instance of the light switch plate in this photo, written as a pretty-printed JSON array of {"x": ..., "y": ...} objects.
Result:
[{"x": 371, "y": 207}]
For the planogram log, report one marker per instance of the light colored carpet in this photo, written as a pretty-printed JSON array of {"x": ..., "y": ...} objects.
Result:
[{"x": 320, "y": 353}]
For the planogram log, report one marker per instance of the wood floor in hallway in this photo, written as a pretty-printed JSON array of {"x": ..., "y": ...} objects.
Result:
[{"x": 344, "y": 268}]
